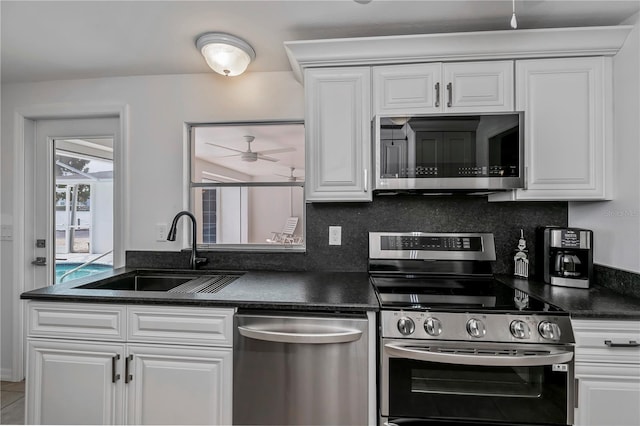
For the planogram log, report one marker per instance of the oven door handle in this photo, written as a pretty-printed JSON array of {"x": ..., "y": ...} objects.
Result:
[
  {"x": 412, "y": 352},
  {"x": 321, "y": 337}
]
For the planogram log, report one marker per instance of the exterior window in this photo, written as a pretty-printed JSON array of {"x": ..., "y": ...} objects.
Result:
[{"x": 247, "y": 185}]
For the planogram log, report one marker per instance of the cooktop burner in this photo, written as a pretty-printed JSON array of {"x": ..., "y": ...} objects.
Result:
[{"x": 454, "y": 294}]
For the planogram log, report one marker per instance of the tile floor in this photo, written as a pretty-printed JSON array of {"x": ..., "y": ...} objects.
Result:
[{"x": 12, "y": 403}]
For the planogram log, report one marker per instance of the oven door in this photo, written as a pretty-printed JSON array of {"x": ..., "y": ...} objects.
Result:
[{"x": 444, "y": 382}]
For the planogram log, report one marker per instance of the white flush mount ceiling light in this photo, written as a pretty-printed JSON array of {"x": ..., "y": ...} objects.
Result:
[{"x": 225, "y": 54}]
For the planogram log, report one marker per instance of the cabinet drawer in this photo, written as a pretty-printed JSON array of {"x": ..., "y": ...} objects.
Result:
[
  {"x": 169, "y": 324},
  {"x": 607, "y": 341},
  {"x": 76, "y": 321}
]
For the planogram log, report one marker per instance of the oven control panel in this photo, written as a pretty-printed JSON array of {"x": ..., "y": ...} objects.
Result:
[
  {"x": 491, "y": 327},
  {"x": 432, "y": 246}
]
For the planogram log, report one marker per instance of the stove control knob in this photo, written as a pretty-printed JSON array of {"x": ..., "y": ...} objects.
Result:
[
  {"x": 520, "y": 329},
  {"x": 476, "y": 328},
  {"x": 549, "y": 330},
  {"x": 406, "y": 326},
  {"x": 433, "y": 326}
]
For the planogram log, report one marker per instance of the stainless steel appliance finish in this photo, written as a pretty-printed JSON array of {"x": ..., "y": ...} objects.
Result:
[
  {"x": 431, "y": 246},
  {"x": 459, "y": 346},
  {"x": 449, "y": 152},
  {"x": 299, "y": 369},
  {"x": 566, "y": 256}
]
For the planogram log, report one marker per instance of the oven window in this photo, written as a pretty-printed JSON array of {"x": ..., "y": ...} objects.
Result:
[
  {"x": 525, "y": 382},
  {"x": 512, "y": 395}
]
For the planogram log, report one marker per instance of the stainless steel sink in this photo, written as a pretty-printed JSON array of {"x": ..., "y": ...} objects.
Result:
[{"x": 172, "y": 283}]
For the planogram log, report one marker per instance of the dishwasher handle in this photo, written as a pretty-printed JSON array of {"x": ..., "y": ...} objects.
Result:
[{"x": 325, "y": 337}]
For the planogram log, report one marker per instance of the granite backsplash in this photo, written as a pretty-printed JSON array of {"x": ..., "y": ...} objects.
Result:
[
  {"x": 399, "y": 213},
  {"x": 622, "y": 282}
]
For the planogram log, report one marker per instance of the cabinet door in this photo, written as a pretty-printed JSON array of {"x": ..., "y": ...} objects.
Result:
[
  {"x": 179, "y": 385},
  {"x": 478, "y": 86},
  {"x": 608, "y": 394},
  {"x": 407, "y": 89},
  {"x": 568, "y": 142},
  {"x": 337, "y": 127},
  {"x": 74, "y": 382}
]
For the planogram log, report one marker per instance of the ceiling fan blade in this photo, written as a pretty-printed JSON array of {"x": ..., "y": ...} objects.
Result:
[
  {"x": 264, "y": 157},
  {"x": 277, "y": 151},
  {"x": 228, "y": 156},
  {"x": 222, "y": 146}
]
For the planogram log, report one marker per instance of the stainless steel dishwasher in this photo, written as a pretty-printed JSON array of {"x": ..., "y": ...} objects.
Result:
[{"x": 300, "y": 369}]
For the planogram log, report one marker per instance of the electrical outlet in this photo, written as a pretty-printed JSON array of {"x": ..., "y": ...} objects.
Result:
[
  {"x": 161, "y": 232},
  {"x": 335, "y": 235}
]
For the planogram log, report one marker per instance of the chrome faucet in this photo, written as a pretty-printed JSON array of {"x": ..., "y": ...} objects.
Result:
[{"x": 195, "y": 260}]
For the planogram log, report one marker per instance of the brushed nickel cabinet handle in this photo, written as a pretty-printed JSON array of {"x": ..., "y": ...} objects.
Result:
[
  {"x": 366, "y": 180},
  {"x": 631, "y": 344},
  {"x": 450, "y": 94},
  {"x": 114, "y": 377},
  {"x": 437, "y": 94},
  {"x": 127, "y": 377}
]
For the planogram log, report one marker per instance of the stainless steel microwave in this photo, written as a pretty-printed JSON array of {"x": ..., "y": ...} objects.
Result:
[{"x": 449, "y": 153}]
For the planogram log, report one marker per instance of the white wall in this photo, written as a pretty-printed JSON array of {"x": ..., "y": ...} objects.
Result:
[
  {"x": 158, "y": 108},
  {"x": 616, "y": 224}
]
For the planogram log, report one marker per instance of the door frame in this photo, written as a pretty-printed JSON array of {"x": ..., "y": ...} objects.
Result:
[{"x": 23, "y": 200}]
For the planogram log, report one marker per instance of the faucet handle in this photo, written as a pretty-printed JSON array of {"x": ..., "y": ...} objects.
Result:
[{"x": 200, "y": 261}]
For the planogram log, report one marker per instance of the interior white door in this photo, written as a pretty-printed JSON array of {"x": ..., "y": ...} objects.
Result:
[{"x": 42, "y": 220}]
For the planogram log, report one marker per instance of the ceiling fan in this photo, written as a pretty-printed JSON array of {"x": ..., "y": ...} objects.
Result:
[
  {"x": 251, "y": 156},
  {"x": 291, "y": 177}
]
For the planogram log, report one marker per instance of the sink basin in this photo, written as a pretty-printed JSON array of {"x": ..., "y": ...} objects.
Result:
[{"x": 173, "y": 283}]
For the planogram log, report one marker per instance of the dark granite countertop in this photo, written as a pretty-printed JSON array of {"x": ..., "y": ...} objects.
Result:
[
  {"x": 325, "y": 291},
  {"x": 322, "y": 291},
  {"x": 595, "y": 302}
]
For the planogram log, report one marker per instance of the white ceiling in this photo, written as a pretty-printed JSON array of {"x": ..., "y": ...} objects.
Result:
[{"x": 52, "y": 40}]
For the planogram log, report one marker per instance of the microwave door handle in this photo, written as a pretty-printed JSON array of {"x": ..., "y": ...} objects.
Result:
[
  {"x": 474, "y": 359},
  {"x": 337, "y": 336}
]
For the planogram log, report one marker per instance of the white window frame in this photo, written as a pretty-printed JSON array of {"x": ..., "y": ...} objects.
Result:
[{"x": 228, "y": 182}]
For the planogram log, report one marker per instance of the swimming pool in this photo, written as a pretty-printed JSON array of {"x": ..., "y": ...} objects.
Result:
[{"x": 94, "y": 268}]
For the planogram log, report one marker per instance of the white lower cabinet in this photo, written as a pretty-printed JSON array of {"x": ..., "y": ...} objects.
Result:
[
  {"x": 179, "y": 385},
  {"x": 73, "y": 382},
  {"x": 151, "y": 376},
  {"x": 607, "y": 373}
]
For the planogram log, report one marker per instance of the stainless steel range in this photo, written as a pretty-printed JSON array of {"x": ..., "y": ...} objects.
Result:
[{"x": 458, "y": 346}]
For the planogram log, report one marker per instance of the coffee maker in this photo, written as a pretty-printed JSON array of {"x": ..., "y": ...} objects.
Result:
[{"x": 565, "y": 256}]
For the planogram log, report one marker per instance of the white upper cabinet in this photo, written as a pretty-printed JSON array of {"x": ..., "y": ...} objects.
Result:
[
  {"x": 455, "y": 87},
  {"x": 568, "y": 132},
  {"x": 338, "y": 134},
  {"x": 407, "y": 89}
]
